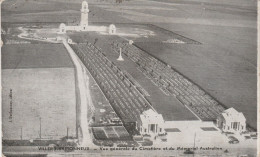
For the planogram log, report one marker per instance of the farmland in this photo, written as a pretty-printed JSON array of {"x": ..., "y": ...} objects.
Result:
[
  {"x": 37, "y": 93},
  {"x": 35, "y": 56},
  {"x": 38, "y": 87}
]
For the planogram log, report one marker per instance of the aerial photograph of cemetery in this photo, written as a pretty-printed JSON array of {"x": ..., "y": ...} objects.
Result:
[{"x": 104, "y": 77}]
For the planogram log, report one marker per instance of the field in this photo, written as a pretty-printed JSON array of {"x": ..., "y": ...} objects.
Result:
[
  {"x": 35, "y": 56},
  {"x": 38, "y": 82},
  {"x": 48, "y": 94},
  {"x": 38, "y": 11}
]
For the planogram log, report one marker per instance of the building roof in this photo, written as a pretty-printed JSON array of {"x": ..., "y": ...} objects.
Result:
[
  {"x": 151, "y": 117},
  {"x": 233, "y": 115}
]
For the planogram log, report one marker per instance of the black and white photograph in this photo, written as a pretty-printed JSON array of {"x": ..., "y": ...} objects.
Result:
[{"x": 113, "y": 78}]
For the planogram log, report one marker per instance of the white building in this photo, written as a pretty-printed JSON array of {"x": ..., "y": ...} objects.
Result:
[
  {"x": 112, "y": 29},
  {"x": 84, "y": 26},
  {"x": 231, "y": 121},
  {"x": 62, "y": 28},
  {"x": 151, "y": 123}
]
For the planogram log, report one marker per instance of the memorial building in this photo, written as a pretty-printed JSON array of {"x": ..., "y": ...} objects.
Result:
[
  {"x": 84, "y": 24},
  {"x": 231, "y": 120},
  {"x": 151, "y": 123}
]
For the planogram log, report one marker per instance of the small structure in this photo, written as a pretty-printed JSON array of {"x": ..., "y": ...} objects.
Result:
[
  {"x": 120, "y": 58},
  {"x": 130, "y": 42},
  {"x": 70, "y": 41},
  {"x": 62, "y": 28},
  {"x": 231, "y": 120},
  {"x": 112, "y": 29},
  {"x": 151, "y": 123}
]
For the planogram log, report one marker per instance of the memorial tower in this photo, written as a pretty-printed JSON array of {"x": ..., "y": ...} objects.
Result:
[{"x": 84, "y": 15}]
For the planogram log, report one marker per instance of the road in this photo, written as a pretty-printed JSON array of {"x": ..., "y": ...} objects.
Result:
[{"x": 84, "y": 96}]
